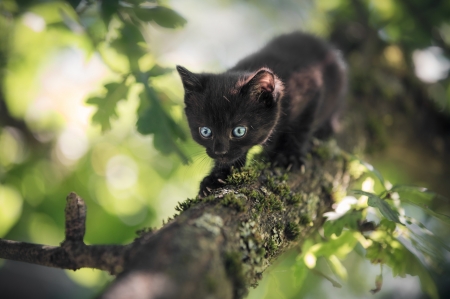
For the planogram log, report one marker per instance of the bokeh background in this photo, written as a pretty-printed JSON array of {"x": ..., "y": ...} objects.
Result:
[{"x": 54, "y": 139}]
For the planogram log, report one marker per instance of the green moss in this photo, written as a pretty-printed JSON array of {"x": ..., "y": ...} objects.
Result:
[
  {"x": 270, "y": 202},
  {"x": 255, "y": 194},
  {"x": 283, "y": 189},
  {"x": 244, "y": 190},
  {"x": 233, "y": 201},
  {"x": 272, "y": 247},
  {"x": 270, "y": 183},
  {"x": 245, "y": 175},
  {"x": 323, "y": 152},
  {"x": 274, "y": 203},
  {"x": 278, "y": 226},
  {"x": 305, "y": 219},
  {"x": 295, "y": 198},
  {"x": 183, "y": 206},
  {"x": 292, "y": 231},
  {"x": 145, "y": 230}
]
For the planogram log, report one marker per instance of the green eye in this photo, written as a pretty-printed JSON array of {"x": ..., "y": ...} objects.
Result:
[
  {"x": 239, "y": 132},
  {"x": 205, "y": 132}
]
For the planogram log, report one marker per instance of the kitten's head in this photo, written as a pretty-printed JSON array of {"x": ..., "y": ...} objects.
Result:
[{"x": 231, "y": 112}]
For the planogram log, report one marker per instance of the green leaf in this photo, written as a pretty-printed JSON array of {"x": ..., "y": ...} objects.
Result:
[
  {"x": 422, "y": 198},
  {"x": 349, "y": 220},
  {"x": 337, "y": 267},
  {"x": 131, "y": 43},
  {"x": 429, "y": 195},
  {"x": 407, "y": 263},
  {"x": 106, "y": 106},
  {"x": 375, "y": 172},
  {"x": 163, "y": 16},
  {"x": 339, "y": 247},
  {"x": 74, "y": 3},
  {"x": 108, "y": 9},
  {"x": 300, "y": 273},
  {"x": 376, "y": 202},
  {"x": 155, "y": 120},
  {"x": 378, "y": 284},
  {"x": 158, "y": 71},
  {"x": 333, "y": 282},
  {"x": 429, "y": 248},
  {"x": 384, "y": 207},
  {"x": 333, "y": 227}
]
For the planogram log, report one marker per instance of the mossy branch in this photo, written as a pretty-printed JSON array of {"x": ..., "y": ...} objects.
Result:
[{"x": 217, "y": 246}]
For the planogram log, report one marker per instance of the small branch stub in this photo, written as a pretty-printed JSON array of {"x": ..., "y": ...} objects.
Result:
[
  {"x": 73, "y": 254},
  {"x": 75, "y": 213}
]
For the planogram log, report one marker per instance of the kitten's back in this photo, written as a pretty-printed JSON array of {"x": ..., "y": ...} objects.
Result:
[
  {"x": 304, "y": 62},
  {"x": 286, "y": 53}
]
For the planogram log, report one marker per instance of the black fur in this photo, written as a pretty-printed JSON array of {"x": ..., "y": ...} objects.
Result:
[{"x": 288, "y": 91}]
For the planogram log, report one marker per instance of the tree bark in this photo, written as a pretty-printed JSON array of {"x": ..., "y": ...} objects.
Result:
[{"x": 217, "y": 246}]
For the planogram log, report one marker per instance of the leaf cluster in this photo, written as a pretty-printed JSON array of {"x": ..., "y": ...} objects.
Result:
[
  {"x": 119, "y": 26},
  {"x": 395, "y": 239}
]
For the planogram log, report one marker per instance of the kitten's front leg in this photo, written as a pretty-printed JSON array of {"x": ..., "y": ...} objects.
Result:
[
  {"x": 293, "y": 144},
  {"x": 217, "y": 177}
]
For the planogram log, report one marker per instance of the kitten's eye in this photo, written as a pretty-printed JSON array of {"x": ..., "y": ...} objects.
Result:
[
  {"x": 205, "y": 132},
  {"x": 239, "y": 132}
]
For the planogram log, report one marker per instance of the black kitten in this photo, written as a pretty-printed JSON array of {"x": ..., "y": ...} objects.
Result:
[{"x": 278, "y": 97}]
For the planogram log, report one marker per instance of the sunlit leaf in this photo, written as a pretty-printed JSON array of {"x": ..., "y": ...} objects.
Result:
[
  {"x": 333, "y": 282},
  {"x": 422, "y": 198},
  {"x": 339, "y": 247},
  {"x": 71, "y": 22},
  {"x": 163, "y": 16},
  {"x": 376, "y": 202},
  {"x": 337, "y": 267},
  {"x": 424, "y": 244},
  {"x": 131, "y": 43},
  {"x": 10, "y": 208},
  {"x": 349, "y": 220},
  {"x": 413, "y": 266},
  {"x": 374, "y": 171},
  {"x": 155, "y": 120},
  {"x": 424, "y": 192},
  {"x": 300, "y": 274},
  {"x": 157, "y": 70},
  {"x": 106, "y": 106}
]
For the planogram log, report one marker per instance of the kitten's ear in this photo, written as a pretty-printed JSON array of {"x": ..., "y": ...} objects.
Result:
[
  {"x": 264, "y": 85},
  {"x": 191, "y": 81}
]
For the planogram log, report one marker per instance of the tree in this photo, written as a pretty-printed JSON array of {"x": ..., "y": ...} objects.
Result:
[{"x": 236, "y": 261}]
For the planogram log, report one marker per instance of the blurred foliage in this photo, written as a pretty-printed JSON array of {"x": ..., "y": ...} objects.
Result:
[
  {"x": 118, "y": 138},
  {"x": 390, "y": 238},
  {"x": 47, "y": 145}
]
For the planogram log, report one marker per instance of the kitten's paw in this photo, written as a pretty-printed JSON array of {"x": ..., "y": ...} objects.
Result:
[
  {"x": 289, "y": 161},
  {"x": 210, "y": 183}
]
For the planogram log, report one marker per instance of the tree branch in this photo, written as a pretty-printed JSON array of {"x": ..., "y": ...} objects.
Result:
[
  {"x": 73, "y": 254},
  {"x": 218, "y": 246}
]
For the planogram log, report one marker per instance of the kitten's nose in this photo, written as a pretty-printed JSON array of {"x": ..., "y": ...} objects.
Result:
[
  {"x": 220, "y": 146},
  {"x": 220, "y": 152}
]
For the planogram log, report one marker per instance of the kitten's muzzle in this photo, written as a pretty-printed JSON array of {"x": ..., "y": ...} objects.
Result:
[
  {"x": 220, "y": 147},
  {"x": 220, "y": 152}
]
